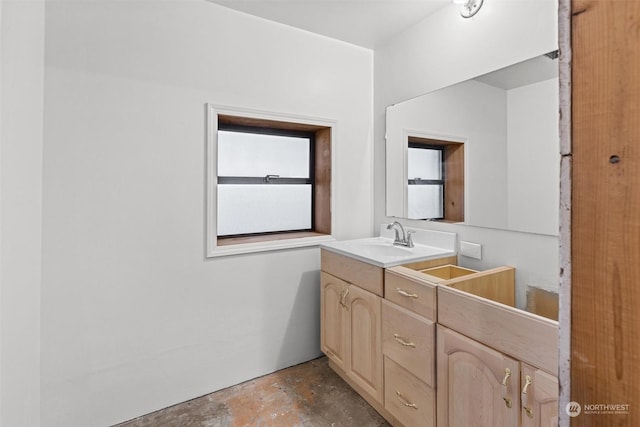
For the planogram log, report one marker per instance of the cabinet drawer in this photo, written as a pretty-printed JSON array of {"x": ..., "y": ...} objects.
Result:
[
  {"x": 407, "y": 398},
  {"x": 409, "y": 340},
  {"x": 366, "y": 276},
  {"x": 409, "y": 289}
]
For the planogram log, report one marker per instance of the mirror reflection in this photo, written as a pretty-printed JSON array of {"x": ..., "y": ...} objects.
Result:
[{"x": 483, "y": 152}]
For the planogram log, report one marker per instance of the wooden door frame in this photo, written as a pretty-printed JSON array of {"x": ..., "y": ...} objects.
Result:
[{"x": 600, "y": 207}]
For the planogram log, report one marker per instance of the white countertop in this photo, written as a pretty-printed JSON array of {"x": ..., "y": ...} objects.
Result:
[{"x": 380, "y": 251}]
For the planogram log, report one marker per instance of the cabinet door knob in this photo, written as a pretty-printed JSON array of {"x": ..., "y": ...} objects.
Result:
[{"x": 405, "y": 402}]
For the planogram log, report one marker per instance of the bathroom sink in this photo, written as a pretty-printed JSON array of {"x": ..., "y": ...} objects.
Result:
[{"x": 381, "y": 251}]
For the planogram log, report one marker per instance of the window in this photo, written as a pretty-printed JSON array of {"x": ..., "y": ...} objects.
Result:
[
  {"x": 425, "y": 175},
  {"x": 269, "y": 182},
  {"x": 265, "y": 180},
  {"x": 435, "y": 178}
]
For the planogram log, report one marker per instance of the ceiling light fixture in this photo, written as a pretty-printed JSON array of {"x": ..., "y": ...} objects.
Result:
[{"x": 468, "y": 8}]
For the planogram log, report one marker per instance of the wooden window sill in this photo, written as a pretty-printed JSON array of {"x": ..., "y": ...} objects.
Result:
[{"x": 252, "y": 244}]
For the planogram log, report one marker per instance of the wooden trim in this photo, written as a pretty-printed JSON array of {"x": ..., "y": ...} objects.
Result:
[
  {"x": 322, "y": 196},
  {"x": 228, "y": 241},
  {"x": 268, "y": 123},
  {"x": 605, "y": 211},
  {"x": 454, "y": 188}
]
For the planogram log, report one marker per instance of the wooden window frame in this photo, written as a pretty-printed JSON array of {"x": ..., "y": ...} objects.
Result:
[
  {"x": 453, "y": 172},
  {"x": 322, "y": 131}
]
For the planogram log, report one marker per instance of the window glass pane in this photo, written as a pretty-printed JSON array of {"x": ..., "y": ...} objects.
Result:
[
  {"x": 244, "y": 209},
  {"x": 258, "y": 155},
  {"x": 425, "y": 201},
  {"x": 424, "y": 163}
]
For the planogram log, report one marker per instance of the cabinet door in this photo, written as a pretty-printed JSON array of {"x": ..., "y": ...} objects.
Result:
[
  {"x": 539, "y": 400},
  {"x": 477, "y": 386},
  {"x": 333, "y": 327},
  {"x": 364, "y": 347}
]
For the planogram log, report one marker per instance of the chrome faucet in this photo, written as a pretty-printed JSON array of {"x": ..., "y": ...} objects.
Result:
[{"x": 406, "y": 239}]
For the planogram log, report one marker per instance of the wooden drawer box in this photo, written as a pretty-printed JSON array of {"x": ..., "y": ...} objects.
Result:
[
  {"x": 408, "y": 399},
  {"x": 409, "y": 340},
  {"x": 366, "y": 276}
]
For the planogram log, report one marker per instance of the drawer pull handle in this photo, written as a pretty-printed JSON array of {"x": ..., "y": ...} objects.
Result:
[
  {"x": 405, "y": 293},
  {"x": 507, "y": 402},
  {"x": 403, "y": 342},
  {"x": 405, "y": 402}
]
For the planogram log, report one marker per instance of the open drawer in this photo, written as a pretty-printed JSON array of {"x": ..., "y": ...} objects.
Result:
[{"x": 497, "y": 284}]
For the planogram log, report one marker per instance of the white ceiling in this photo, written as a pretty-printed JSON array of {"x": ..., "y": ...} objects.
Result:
[{"x": 364, "y": 23}]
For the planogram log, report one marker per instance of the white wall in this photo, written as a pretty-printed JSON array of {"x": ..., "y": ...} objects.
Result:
[
  {"x": 134, "y": 318},
  {"x": 533, "y": 157},
  {"x": 21, "y": 112},
  {"x": 445, "y": 49}
]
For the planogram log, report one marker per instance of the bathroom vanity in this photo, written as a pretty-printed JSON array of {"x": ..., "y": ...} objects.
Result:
[{"x": 429, "y": 343}]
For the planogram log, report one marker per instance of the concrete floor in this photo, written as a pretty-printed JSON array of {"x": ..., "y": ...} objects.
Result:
[{"x": 309, "y": 394}]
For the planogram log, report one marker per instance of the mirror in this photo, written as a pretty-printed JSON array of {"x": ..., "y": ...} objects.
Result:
[{"x": 484, "y": 152}]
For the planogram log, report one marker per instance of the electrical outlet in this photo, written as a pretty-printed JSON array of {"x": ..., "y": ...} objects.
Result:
[{"x": 471, "y": 250}]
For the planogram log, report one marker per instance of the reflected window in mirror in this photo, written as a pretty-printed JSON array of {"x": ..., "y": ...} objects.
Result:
[
  {"x": 425, "y": 177},
  {"x": 435, "y": 178}
]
